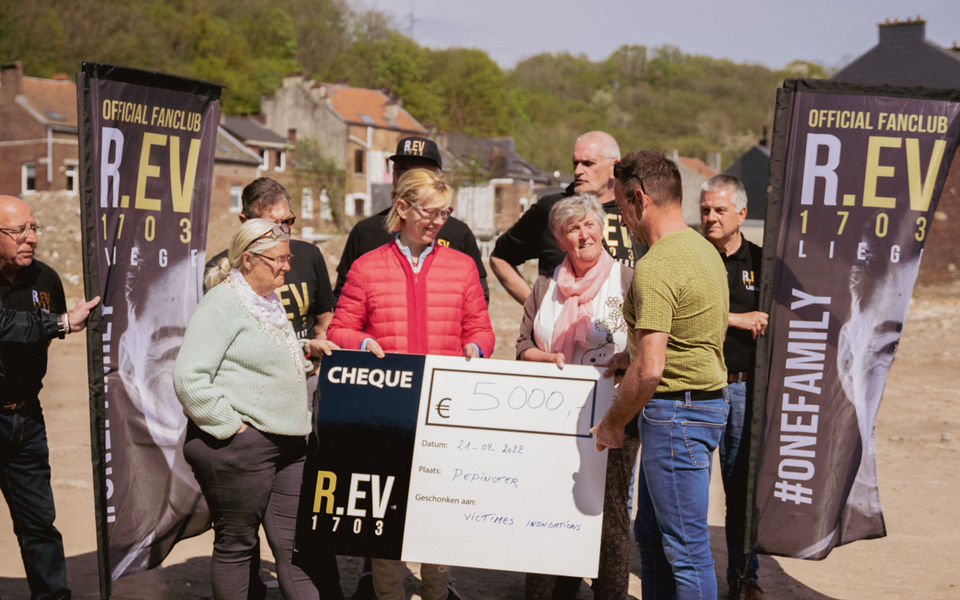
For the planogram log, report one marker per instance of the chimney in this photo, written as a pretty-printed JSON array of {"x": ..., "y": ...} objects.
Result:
[
  {"x": 11, "y": 74},
  {"x": 392, "y": 110},
  {"x": 713, "y": 161},
  {"x": 897, "y": 31},
  {"x": 292, "y": 136}
]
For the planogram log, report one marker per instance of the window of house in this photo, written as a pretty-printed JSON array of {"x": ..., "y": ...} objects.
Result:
[
  {"x": 28, "y": 177},
  {"x": 71, "y": 173},
  {"x": 264, "y": 159},
  {"x": 498, "y": 200},
  {"x": 281, "y": 160},
  {"x": 236, "y": 198},
  {"x": 306, "y": 203},
  {"x": 358, "y": 204},
  {"x": 358, "y": 161}
]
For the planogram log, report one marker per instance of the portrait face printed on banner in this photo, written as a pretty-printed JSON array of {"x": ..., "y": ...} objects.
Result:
[
  {"x": 880, "y": 292},
  {"x": 156, "y": 321}
]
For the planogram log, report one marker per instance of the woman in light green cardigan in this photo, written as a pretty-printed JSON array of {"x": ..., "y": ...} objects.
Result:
[{"x": 240, "y": 377}]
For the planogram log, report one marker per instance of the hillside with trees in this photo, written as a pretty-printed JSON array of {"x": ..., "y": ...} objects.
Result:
[{"x": 646, "y": 97}]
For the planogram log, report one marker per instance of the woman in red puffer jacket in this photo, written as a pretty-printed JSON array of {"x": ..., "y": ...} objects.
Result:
[{"x": 414, "y": 296}]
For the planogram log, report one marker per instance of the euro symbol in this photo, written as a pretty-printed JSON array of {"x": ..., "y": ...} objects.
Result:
[{"x": 443, "y": 408}]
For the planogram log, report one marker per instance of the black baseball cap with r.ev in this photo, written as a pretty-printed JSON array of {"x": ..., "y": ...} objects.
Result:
[{"x": 418, "y": 147}]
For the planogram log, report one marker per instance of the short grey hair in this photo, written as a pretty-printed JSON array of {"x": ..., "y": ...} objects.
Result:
[
  {"x": 574, "y": 208},
  {"x": 609, "y": 148},
  {"x": 250, "y": 237},
  {"x": 738, "y": 194}
]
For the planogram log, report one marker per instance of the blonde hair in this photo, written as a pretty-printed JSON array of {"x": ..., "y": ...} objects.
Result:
[
  {"x": 254, "y": 235},
  {"x": 410, "y": 188}
]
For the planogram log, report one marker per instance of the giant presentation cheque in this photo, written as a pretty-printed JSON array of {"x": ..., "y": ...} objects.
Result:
[{"x": 437, "y": 459}]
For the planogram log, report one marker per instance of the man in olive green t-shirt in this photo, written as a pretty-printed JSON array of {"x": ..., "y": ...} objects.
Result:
[{"x": 676, "y": 375}]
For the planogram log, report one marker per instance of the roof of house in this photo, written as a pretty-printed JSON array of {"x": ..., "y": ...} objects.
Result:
[
  {"x": 903, "y": 56},
  {"x": 362, "y": 106},
  {"x": 251, "y": 131},
  {"x": 753, "y": 168},
  {"x": 52, "y": 102},
  {"x": 496, "y": 156},
  {"x": 231, "y": 149},
  {"x": 697, "y": 166}
]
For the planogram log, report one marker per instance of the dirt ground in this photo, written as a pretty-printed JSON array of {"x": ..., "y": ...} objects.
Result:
[{"x": 917, "y": 444}]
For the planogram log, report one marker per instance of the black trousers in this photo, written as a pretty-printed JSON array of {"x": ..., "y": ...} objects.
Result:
[{"x": 250, "y": 479}]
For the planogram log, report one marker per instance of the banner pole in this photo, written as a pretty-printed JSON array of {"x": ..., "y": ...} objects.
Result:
[{"x": 91, "y": 285}]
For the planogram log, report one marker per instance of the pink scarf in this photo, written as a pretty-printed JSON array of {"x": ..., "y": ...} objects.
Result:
[{"x": 576, "y": 317}]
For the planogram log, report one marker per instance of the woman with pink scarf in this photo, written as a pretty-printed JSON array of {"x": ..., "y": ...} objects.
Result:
[{"x": 575, "y": 317}]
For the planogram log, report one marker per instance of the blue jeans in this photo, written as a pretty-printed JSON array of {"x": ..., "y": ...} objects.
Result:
[
  {"x": 734, "y": 456},
  {"x": 677, "y": 441},
  {"x": 25, "y": 481}
]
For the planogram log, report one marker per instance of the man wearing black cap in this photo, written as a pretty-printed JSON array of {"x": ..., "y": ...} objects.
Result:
[{"x": 370, "y": 233}]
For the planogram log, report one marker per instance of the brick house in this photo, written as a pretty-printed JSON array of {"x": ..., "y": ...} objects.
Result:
[
  {"x": 495, "y": 185},
  {"x": 904, "y": 57},
  {"x": 39, "y": 152},
  {"x": 357, "y": 128},
  {"x": 38, "y": 133}
]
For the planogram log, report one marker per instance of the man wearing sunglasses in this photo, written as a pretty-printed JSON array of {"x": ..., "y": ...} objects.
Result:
[
  {"x": 308, "y": 299},
  {"x": 305, "y": 292},
  {"x": 594, "y": 155},
  {"x": 370, "y": 233},
  {"x": 675, "y": 380},
  {"x": 33, "y": 312}
]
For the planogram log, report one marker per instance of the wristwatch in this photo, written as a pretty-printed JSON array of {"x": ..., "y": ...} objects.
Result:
[{"x": 63, "y": 325}]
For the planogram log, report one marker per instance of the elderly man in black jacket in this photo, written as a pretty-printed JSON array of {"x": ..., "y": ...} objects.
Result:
[{"x": 33, "y": 312}]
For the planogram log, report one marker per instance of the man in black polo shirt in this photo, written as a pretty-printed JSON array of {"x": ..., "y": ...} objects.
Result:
[
  {"x": 594, "y": 155},
  {"x": 723, "y": 208},
  {"x": 370, "y": 233},
  {"x": 34, "y": 311},
  {"x": 305, "y": 293}
]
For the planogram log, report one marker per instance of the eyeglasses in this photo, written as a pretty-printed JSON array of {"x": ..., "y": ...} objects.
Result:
[
  {"x": 288, "y": 222},
  {"x": 433, "y": 214},
  {"x": 20, "y": 234},
  {"x": 284, "y": 259},
  {"x": 276, "y": 232},
  {"x": 621, "y": 173}
]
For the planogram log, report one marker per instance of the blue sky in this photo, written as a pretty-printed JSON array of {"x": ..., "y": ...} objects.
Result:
[{"x": 771, "y": 32}]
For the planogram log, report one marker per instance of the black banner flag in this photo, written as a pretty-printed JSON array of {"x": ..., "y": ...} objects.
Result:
[
  {"x": 855, "y": 176},
  {"x": 147, "y": 143}
]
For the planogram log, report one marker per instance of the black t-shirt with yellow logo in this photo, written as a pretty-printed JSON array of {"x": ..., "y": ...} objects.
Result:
[
  {"x": 36, "y": 289},
  {"x": 530, "y": 237}
]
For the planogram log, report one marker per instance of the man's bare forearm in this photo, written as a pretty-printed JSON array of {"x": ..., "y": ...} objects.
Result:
[{"x": 510, "y": 278}]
